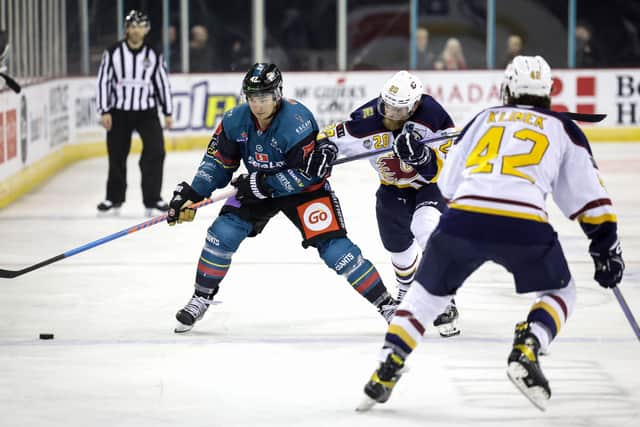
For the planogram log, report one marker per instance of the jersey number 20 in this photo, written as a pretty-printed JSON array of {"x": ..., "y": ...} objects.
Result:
[{"x": 484, "y": 154}]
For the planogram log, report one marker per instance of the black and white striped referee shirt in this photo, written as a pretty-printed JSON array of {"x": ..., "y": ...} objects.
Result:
[{"x": 133, "y": 80}]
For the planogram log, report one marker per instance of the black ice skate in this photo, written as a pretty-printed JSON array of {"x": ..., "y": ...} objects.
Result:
[
  {"x": 191, "y": 313},
  {"x": 524, "y": 370},
  {"x": 157, "y": 208},
  {"x": 447, "y": 321},
  {"x": 380, "y": 386},
  {"x": 108, "y": 208},
  {"x": 387, "y": 306}
]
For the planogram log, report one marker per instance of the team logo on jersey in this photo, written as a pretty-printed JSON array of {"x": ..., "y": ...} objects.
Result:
[
  {"x": 259, "y": 148},
  {"x": 213, "y": 146},
  {"x": 367, "y": 144},
  {"x": 317, "y": 217},
  {"x": 262, "y": 157},
  {"x": 393, "y": 169},
  {"x": 299, "y": 118},
  {"x": 243, "y": 137}
]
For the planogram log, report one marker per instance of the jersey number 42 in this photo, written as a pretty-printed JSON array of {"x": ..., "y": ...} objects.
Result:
[{"x": 486, "y": 153}]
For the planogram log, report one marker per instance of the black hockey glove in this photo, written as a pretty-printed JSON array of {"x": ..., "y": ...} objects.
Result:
[
  {"x": 408, "y": 148},
  {"x": 250, "y": 186},
  {"x": 609, "y": 266},
  {"x": 183, "y": 197},
  {"x": 319, "y": 161}
]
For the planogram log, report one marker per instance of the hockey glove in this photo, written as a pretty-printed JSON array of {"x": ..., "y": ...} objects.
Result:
[
  {"x": 319, "y": 161},
  {"x": 408, "y": 148},
  {"x": 183, "y": 197},
  {"x": 609, "y": 266},
  {"x": 250, "y": 186}
]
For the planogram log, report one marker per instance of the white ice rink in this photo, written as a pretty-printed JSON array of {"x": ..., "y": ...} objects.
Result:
[{"x": 291, "y": 344}]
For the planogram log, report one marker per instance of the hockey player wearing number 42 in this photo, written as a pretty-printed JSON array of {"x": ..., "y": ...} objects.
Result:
[
  {"x": 496, "y": 178},
  {"x": 408, "y": 202},
  {"x": 273, "y": 136}
]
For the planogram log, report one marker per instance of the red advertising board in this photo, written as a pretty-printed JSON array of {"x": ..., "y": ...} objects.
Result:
[
  {"x": 12, "y": 134},
  {"x": 1, "y": 137}
]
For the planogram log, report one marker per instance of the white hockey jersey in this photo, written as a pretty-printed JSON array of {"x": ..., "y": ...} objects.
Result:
[
  {"x": 365, "y": 132},
  {"x": 508, "y": 159}
]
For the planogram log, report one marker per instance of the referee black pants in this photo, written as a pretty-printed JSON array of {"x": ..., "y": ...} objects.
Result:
[{"x": 123, "y": 123}]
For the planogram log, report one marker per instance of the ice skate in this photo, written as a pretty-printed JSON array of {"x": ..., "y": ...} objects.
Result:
[
  {"x": 524, "y": 370},
  {"x": 157, "y": 208},
  {"x": 191, "y": 313},
  {"x": 108, "y": 208},
  {"x": 387, "y": 307},
  {"x": 402, "y": 291},
  {"x": 447, "y": 321},
  {"x": 379, "y": 387}
]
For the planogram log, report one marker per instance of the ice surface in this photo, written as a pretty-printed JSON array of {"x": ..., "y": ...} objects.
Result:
[{"x": 291, "y": 344}]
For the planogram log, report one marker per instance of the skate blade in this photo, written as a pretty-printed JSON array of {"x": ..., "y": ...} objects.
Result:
[
  {"x": 536, "y": 395},
  {"x": 448, "y": 330},
  {"x": 182, "y": 328},
  {"x": 365, "y": 404}
]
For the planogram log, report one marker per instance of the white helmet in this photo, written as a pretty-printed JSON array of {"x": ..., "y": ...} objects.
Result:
[
  {"x": 400, "y": 96},
  {"x": 527, "y": 75}
]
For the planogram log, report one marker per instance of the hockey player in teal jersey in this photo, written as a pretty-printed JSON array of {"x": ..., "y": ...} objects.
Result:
[
  {"x": 273, "y": 136},
  {"x": 408, "y": 202},
  {"x": 505, "y": 164}
]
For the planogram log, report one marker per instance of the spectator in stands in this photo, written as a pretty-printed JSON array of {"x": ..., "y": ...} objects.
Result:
[
  {"x": 514, "y": 48},
  {"x": 452, "y": 57},
  {"x": 175, "y": 57},
  {"x": 201, "y": 54},
  {"x": 424, "y": 57},
  {"x": 240, "y": 55},
  {"x": 586, "y": 52}
]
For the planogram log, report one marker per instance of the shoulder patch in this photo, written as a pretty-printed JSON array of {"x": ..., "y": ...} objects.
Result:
[{"x": 213, "y": 143}]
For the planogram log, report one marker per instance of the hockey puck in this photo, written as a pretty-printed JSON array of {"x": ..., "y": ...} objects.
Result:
[{"x": 46, "y": 336}]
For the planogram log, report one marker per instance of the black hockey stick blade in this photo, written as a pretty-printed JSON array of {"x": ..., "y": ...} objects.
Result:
[
  {"x": 584, "y": 117},
  {"x": 13, "y": 85},
  {"x": 10, "y": 274}
]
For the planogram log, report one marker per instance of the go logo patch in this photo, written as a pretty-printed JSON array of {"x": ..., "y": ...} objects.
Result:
[{"x": 317, "y": 217}]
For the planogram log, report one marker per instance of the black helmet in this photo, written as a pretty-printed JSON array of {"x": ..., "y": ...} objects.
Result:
[
  {"x": 136, "y": 17},
  {"x": 263, "y": 77}
]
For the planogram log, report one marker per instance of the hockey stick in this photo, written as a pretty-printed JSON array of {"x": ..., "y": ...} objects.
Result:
[
  {"x": 11, "y": 83},
  {"x": 386, "y": 150},
  {"x": 582, "y": 117},
  {"x": 10, "y": 274},
  {"x": 627, "y": 312}
]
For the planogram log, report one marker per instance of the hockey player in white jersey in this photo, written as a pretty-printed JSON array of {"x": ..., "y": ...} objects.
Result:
[
  {"x": 496, "y": 178},
  {"x": 408, "y": 203}
]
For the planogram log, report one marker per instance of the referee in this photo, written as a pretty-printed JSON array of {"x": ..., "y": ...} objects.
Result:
[{"x": 132, "y": 83}]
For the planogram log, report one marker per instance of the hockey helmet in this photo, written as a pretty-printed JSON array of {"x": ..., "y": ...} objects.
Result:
[
  {"x": 136, "y": 17},
  {"x": 261, "y": 79},
  {"x": 526, "y": 75},
  {"x": 400, "y": 96}
]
